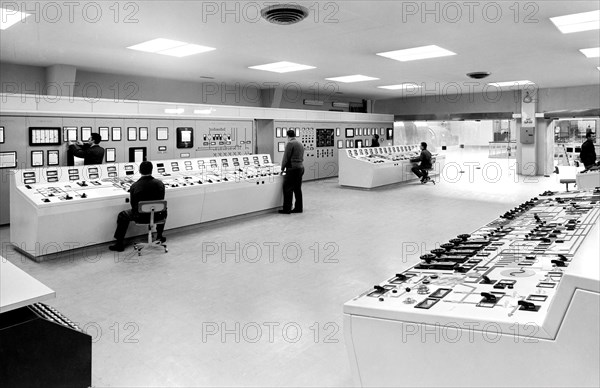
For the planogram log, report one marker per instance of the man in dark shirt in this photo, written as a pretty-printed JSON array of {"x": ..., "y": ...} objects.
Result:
[
  {"x": 375, "y": 140},
  {"x": 292, "y": 164},
  {"x": 147, "y": 188},
  {"x": 91, "y": 152},
  {"x": 588, "y": 152},
  {"x": 420, "y": 170}
]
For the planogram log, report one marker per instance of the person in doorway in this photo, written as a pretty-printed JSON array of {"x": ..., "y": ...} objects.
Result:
[
  {"x": 90, "y": 151},
  {"x": 424, "y": 160},
  {"x": 292, "y": 164},
  {"x": 375, "y": 140},
  {"x": 147, "y": 188},
  {"x": 588, "y": 151}
]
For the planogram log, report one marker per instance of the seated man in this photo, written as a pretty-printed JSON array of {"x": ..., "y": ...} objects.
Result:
[
  {"x": 147, "y": 188},
  {"x": 375, "y": 140},
  {"x": 420, "y": 170}
]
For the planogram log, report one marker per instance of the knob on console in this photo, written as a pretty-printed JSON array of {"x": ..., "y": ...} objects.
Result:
[
  {"x": 438, "y": 251},
  {"x": 447, "y": 246},
  {"x": 456, "y": 241},
  {"x": 464, "y": 237},
  {"x": 428, "y": 257}
]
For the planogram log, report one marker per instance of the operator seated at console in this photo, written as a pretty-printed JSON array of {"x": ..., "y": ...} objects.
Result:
[
  {"x": 147, "y": 188},
  {"x": 375, "y": 140},
  {"x": 420, "y": 170},
  {"x": 91, "y": 152}
]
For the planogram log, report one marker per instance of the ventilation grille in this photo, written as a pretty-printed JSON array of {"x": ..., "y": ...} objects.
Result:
[{"x": 284, "y": 14}]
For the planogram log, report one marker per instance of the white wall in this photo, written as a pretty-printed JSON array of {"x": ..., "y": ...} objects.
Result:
[
  {"x": 18, "y": 79},
  {"x": 551, "y": 99},
  {"x": 472, "y": 133}
]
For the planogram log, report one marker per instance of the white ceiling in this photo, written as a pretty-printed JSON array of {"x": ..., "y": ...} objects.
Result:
[{"x": 338, "y": 37}]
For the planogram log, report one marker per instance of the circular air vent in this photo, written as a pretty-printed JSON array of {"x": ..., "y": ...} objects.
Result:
[
  {"x": 284, "y": 13},
  {"x": 478, "y": 74}
]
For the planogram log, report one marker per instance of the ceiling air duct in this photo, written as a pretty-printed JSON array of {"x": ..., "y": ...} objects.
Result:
[{"x": 284, "y": 14}]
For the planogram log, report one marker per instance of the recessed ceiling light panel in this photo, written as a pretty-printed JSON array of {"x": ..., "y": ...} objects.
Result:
[
  {"x": 593, "y": 52},
  {"x": 416, "y": 53},
  {"x": 170, "y": 47},
  {"x": 185, "y": 50},
  {"x": 511, "y": 83},
  {"x": 585, "y": 21},
  {"x": 407, "y": 86},
  {"x": 352, "y": 78},
  {"x": 282, "y": 67},
  {"x": 9, "y": 17}
]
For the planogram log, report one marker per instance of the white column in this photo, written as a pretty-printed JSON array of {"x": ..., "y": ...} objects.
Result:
[{"x": 526, "y": 135}]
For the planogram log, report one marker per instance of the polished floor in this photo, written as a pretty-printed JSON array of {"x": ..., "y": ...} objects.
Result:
[{"x": 257, "y": 300}]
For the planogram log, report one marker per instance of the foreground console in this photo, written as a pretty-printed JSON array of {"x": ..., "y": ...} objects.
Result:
[{"x": 515, "y": 303}]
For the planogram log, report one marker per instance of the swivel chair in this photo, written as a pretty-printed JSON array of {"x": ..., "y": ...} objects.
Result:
[
  {"x": 157, "y": 212},
  {"x": 426, "y": 179}
]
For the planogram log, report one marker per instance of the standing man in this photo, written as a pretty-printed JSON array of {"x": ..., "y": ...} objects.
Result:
[
  {"x": 420, "y": 170},
  {"x": 294, "y": 170},
  {"x": 147, "y": 188},
  {"x": 90, "y": 151},
  {"x": 588, "y": 152}
]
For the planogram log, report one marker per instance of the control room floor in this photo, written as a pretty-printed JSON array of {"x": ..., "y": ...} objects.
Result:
[{"x": 257, "y": 300}]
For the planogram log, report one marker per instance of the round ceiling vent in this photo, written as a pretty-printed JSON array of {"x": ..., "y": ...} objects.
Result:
[
  {"x": 478, "y": 74},
  {"x": 284, "y": 13}
]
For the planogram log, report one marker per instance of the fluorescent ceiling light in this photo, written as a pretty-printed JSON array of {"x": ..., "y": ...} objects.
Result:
[
  {"x": 352, "y": 78},
  {"x": 400, "y": 86},
  {"x": 337, "y": 104},
  {"x": 204, "y": 111},
  {"x": 511, "y": 83},
  {"x": 313, "y": 102},
  {"x": 591, "y": 52},
  {"x": 576, "y": 22},
  {"x": 176, "y": 111},
  {"x": 186, "y": 50},
  {"x": 421, "y": 123},
  {"x": 415, "y": 53},
  {"x": 10, "y": 17},
  {"x": 282, "y": 67},
  {"x": 170, "y": 47}
]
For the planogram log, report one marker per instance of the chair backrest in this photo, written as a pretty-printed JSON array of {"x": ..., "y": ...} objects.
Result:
[{"x": 148, "y": 206}]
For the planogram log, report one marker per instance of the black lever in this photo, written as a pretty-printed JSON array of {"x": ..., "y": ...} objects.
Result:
[
  {"x": 527, "y": 305},
  {"x": 489, "y": 297},
  {"x": 558, "y": 263}
]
